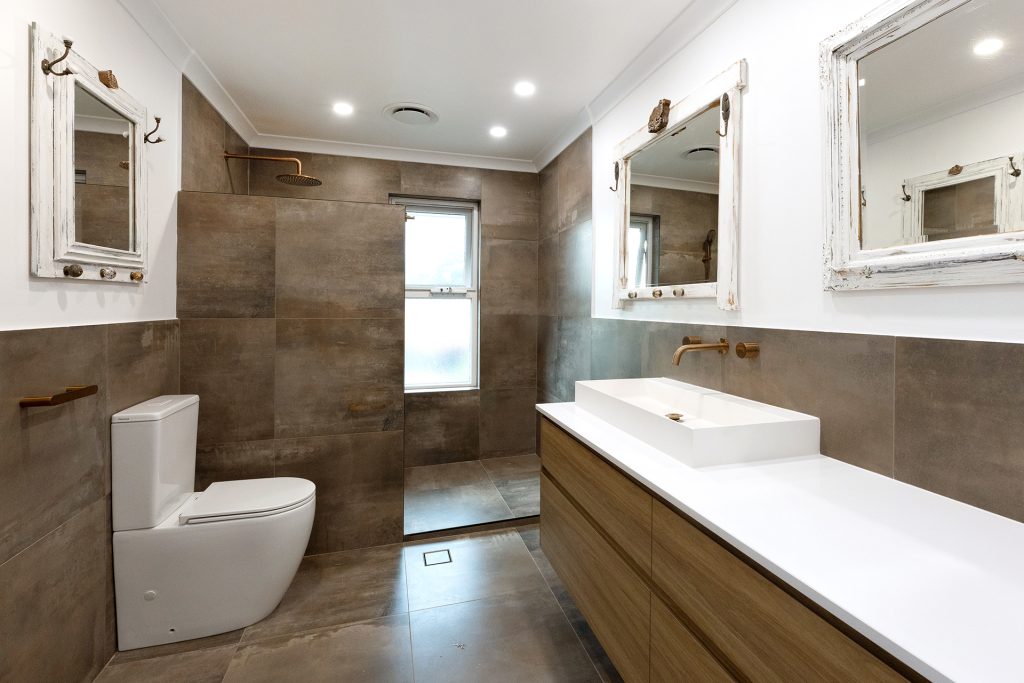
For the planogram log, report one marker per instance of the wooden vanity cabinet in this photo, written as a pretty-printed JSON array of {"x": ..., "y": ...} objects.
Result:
[{"x": 669, "y": 601}]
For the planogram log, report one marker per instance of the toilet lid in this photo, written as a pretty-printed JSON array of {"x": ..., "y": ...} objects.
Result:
[{"x": 224, "y": 500}]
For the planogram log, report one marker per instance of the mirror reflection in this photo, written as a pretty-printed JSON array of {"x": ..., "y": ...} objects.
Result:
[
  {"x": 940, "y": 129},
  {"x": 102, "y": 162},
  {"x": 673, "y": 206}
]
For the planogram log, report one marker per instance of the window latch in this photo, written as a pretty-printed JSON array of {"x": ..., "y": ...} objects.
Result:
[{"x": 448, "y": 290}]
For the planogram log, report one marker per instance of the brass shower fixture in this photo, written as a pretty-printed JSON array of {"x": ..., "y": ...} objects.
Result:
[{"x": 296, "y": 178}]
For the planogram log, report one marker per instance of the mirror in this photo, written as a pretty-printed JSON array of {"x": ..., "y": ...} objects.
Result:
[
  {"x": 673, "y": 206},
  {"x": 927, "y": 145},
  {"x": 102, "y": 163}
]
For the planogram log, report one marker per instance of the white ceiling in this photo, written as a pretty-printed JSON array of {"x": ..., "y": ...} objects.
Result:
[
  {"x": 933, "y": 72},
  {"x": 283, "y": 64}
]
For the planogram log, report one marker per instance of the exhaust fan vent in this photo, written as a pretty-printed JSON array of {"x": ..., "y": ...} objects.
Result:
[
  {"x": 411, "y": 113},
  {"x": 702, "y": 154}
]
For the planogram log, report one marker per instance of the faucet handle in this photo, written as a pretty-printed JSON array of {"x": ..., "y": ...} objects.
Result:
[{"x": 691, "y": 340}]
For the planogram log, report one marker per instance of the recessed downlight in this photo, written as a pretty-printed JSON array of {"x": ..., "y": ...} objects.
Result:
[
  {"x": 343, "y": 108},
  {"x": 498, "y": 131},
  {"x": 988, "y": 47},
  {"x": 524, "y": 88}
]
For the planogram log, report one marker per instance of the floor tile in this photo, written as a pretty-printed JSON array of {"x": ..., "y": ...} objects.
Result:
[
  {"x": 209, "y": 642},
  {"x": 449, "y": 496},
  {"x": 483, "y": 565},
  {"x": 198, "y": 666},
  {"x": 338, "y": 588},
  {"x": 445, "y": 475},
  {"x": 515, "y": 637},
  {"x": 517, "y": 479},
  {"x": 372, "y": 650}
]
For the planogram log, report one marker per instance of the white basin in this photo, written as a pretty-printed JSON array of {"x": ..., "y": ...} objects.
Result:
[{"x": 714, "y": 428}]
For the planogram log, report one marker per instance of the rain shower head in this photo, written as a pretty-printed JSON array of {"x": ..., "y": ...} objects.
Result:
[{"x": 297, "y": 178}]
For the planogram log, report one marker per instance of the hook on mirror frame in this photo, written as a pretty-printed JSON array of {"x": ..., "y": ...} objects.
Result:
[
  {"x": 48, "y": 65},
  {"x": 616, "y": 173},
  {"x": 863, "y": 199},
  {"x": 1014, "y": 171},
  {"x": 726, "y": 107},
  {"x": 154, "y": 141},
  {"x": 906, "y": 197}
]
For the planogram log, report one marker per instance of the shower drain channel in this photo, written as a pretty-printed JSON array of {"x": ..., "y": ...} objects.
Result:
[{"x": 437, "y": 557}]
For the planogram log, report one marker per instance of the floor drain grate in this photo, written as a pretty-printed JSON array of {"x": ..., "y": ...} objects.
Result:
[{"x": 437, "y": 557}]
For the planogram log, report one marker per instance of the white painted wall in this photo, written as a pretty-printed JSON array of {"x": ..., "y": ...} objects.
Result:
[
  {"x": 987, "y": 132},
  {"x": 108, "y": 37},
  {"x": 782, "y": 231}
]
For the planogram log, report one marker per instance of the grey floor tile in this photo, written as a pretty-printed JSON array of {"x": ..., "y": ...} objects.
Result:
[
  {"x": 515, "y": 637},
  {"x": 219, "y": 640},
  {"x": 372, "y": 650},
  {"x": 197, "y": 666},
  {"x": 339, "y": 588},
  {"x": 450, "y": 496},
  {"x": 517, "y": 479},
  {"x": 483, "y": 565}
]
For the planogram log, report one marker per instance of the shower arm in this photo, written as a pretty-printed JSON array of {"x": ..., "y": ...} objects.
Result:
[{"x": 257, "y": 157}]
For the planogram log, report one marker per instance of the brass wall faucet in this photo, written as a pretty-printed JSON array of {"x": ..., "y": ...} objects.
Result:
[{"x": 694, "y": 344}]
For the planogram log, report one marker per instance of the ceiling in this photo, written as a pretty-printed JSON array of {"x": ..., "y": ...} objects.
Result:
[
  {"x": 933, "y": 72},
  {"x": 283, "y": 64},
  {"x": 667, "y": 158}
]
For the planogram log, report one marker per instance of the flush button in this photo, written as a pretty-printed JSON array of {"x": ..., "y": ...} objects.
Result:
[{"x": 149, "y": 596}]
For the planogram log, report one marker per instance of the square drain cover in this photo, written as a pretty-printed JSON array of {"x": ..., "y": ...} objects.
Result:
[{"x": 437, "y": 557}]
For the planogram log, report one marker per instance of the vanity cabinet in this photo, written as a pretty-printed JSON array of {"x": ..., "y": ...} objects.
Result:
[{"x": 669, "y": 601}]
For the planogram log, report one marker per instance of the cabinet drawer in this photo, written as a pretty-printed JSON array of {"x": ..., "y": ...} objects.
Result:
[
  {"x": 764, "y": 632},
  {"x": 676, "y": 655},
  {"x": 619, "y": 506},
  {"x": 614, "y": 600}
]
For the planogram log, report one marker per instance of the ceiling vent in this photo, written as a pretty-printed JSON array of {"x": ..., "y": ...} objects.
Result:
[
  {"x": 701, "y": 154},
  {"x": 410, "y": 113}
]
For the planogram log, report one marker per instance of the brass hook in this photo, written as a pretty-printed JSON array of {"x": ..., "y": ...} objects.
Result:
[
  {"x": 48, "y": 65},
  {"x": 154, "y": 141},
  {"x": 906, "y": 197},
  {"x": 1015, "y": 172},
  {"x": 616, "y": 188},
  {"x": 726, "y": 107}
]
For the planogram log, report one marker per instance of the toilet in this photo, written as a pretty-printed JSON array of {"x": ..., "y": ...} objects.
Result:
[{"x": 189, "y": 564}]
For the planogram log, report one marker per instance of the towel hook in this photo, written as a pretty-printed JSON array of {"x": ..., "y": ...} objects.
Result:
[
  {"x": 726, "y": 108},
  {"x": 154, "y": 141},
  {"x": 48, "y": 65},
  {"x": 863, "y": 199},
  {"x": 906, "y": 197},
  {"x": 1014, "y": 171},
  {"x": 616, "y": 173}
]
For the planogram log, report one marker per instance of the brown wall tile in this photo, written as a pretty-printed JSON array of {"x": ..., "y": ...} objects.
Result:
[
  {"x": 442, "y": 427},
  {"x": 204, "y": 138},
  {"x": 704, "y": 368},
  {"x": 225, "y": 256},
  {"x": 508, "y": 351},
  {"x": 230, "y": 364},
  {"x": 142, "y": 362},
  {"x": 345, "y": 179},
  {"x": 508, "y": 422},
  {"x": 548, "y": 275},
  {"x": 448, "y": 182},
  {"x": 340, "y": 260},
  {"x": 230, "y": 461},
  {"x": 574, "y": 182},
  {"x": 359, "y": 487},
  {"x": 549, "y": 206},
  {"x": 508, "y": 276},
  {"x": 958, "y": 425},
  {"x": 574, "y": 276},
  {"x": 339, "y": 376},
  {"x": 510, "y": 205}
]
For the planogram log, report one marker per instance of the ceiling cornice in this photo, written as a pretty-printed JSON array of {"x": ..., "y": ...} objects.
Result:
[{"x": 697, "y": 16}]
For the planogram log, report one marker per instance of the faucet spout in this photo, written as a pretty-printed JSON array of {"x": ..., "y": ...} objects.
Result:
[{"x": 694, "y": 344}]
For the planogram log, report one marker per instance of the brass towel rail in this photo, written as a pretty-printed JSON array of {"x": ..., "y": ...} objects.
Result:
[{"x": 69, "y": 394}]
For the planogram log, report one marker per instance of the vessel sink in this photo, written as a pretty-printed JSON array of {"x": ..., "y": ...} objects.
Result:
[{"x": 697, "y": 426}]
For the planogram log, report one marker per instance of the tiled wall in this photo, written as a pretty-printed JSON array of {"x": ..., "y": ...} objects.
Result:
[
  {"x": 686, "y": 217},
  {"x": 939, "y": 414},
  {"x": 292, "y": 305},
  {"x": 56, "y": 569}
]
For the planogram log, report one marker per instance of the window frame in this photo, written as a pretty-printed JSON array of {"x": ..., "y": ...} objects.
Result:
[{"x": 430, "y": 291}]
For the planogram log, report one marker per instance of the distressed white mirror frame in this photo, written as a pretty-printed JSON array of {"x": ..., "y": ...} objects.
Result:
[
  {"x": 986, "y": 259},
  {"x": 54, "y": 246},
  {"x": 732, "y": 82}
]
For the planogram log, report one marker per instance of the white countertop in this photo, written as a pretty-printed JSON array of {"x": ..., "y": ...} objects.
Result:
[{"x": 937, "y": 583}]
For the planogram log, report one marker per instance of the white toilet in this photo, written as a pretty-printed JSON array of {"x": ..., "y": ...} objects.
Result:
[{"x": 188, "y": 564}]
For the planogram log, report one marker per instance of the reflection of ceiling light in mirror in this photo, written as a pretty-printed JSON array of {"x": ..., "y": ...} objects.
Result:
[
  {"x": 861, "y": 82},
  {"x": 498, "y": 132},
  {"x": 701, "y": 154},
  {"x": 343, "y": 108},
  {"x": 524, "y": 88},
  {"x": 988, "y": 47}
]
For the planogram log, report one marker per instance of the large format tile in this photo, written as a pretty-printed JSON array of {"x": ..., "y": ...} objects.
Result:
[
  {"x": 616, "y": 348},
  {"x": 225, "y": 256},
  {"x": 236, "y": 460},
  {"x": 345, "y": 179},
  {"x": 229, "y": 639},
  {"x": 547, "y": 275},
  {"x": 57, "y": 603},
  {"x": 549, "y": 207},
  {"x": 482, "y": 565},
  {"x": 517, "y": 479},
  {"x": 574, "y": 275},
  {"x": 574, "y": 182},
  {"x": 508, "y": 351},
  {"x": 358, "y": 481},
  {"x": 196, "y": 666},
  {"x": 508, "y": 276},
  {"x": 703, "y": 368},
  {"x": 372, "y": 650},
  {"x": 441, "y": 427},
  {"x": 958, "y": 426},
  {"x": 449, "y": 496},
  {"x": 142, "y": 362},
  {"x": 338, "y": 588},
  {"x": 338, "y": 376},
  {"x": 340, "y": 260},
  {"x": 514, "y": 637},
  {"x": 510, "y": 205},
  {"x": 230, "y": 364},
  {"x": 204, "y": 137},
  {"x": 445, "y": 182},
  {"x": 55, "y": 461},
  {"x": 508, "y": 422}
]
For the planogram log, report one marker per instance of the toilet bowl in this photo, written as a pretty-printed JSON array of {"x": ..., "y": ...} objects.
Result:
[{"x": 191, "y": 564}]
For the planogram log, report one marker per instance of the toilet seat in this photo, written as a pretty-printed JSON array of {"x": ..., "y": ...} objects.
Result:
[{"x": 245, "y": 499}]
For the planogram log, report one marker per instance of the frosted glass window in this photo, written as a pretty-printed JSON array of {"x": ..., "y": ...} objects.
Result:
[
  {"x": 439, "y": 336},
  {"x": 437, "y": 249}
]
